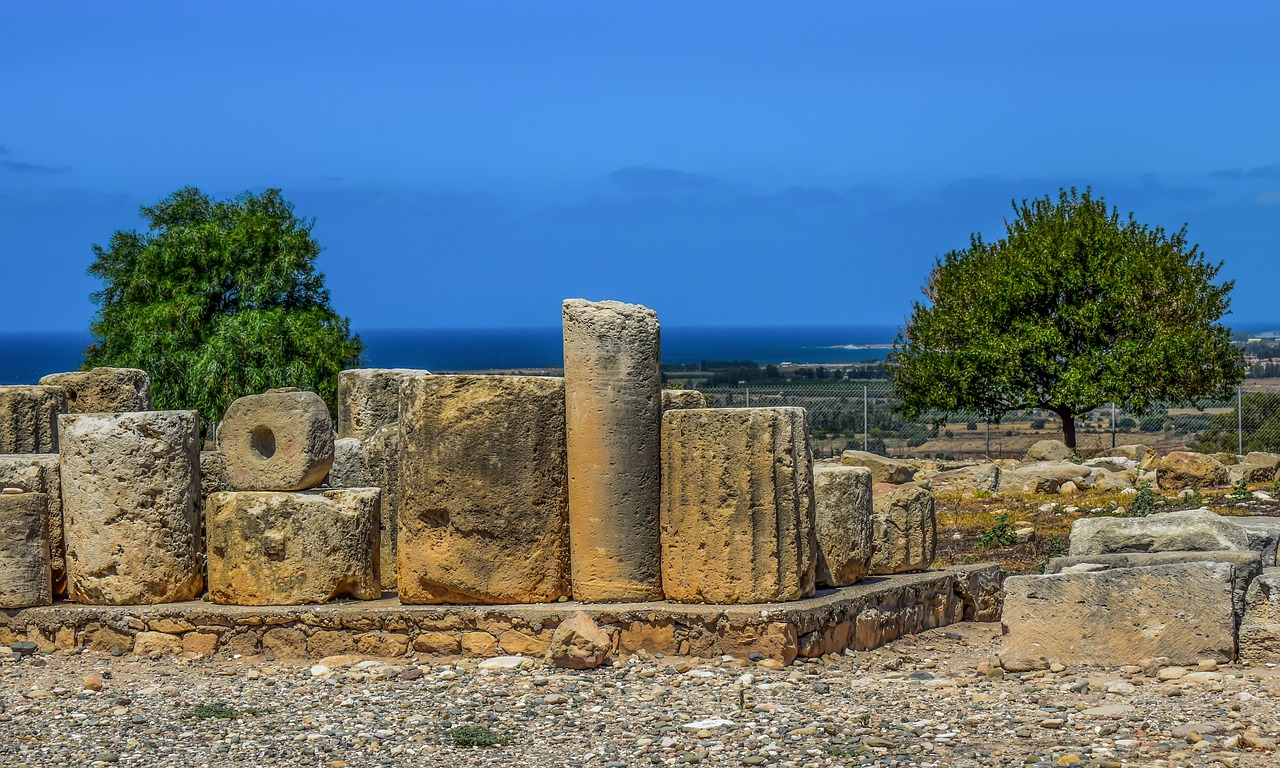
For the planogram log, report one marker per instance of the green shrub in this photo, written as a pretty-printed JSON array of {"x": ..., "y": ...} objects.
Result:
[
  {"x": 1000, "y": 534},
  {"x": 476, "y": 736}
]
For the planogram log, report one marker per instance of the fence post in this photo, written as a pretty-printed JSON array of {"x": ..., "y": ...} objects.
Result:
[
  {"x": 987, "y": 426},
  {"x": 1239, "y": 418},
  {"x": 1113, "y": 425},
  {"x": 865, "y": 427}
]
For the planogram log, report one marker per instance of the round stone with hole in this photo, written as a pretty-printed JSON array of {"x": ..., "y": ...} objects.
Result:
[{"x": 278, "y": 441}]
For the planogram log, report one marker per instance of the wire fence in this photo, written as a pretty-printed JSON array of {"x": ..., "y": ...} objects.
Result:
[{"x": 862, "y": 415}]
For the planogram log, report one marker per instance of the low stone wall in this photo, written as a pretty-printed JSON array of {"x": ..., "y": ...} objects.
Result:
[{"x": 861, "y": 617}]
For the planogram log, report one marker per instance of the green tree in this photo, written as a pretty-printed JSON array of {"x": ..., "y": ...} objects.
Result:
[
  {"x": 216, "y": 300},
  {"x": 1074, "y": 308}
]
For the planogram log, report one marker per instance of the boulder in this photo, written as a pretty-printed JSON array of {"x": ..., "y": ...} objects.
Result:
[
  {"x": 130, "y": 484},
  {"x": 1184, "y": 469},
  {"x": 281, "y": 548},
  {"x": 1047, "y": 450},
  {"x": 842, "y": 504},
  {"x": 1191, "y": 530},
  {"x": 1250, "y": 474},
  {"x": 369, "y": 399},
  {"x": 1041, "y": 477},
  {"x": 1260, "y": 625},
  {"x": 677, "y": 399},
  {"x": 1112, "y": 463},
  {"x": 38, "y": 473},
  {"x": 277, "y": 441},
  {"x": 579, "y": 643},
  {"x": 483, "y": 490},
  {"x": 1106, "y": 481},
  {"x": 1108, "y": 618},
  {"x": 979, "y": 478},
  {"x": 883, "y": 469},
  {"x": 24, "y": 550},
  {"x": 1224, "y": 458},
  {"x": 29, "y": 418},
  {"x": 1247, "y": 565},
  {"x": 1263, "y": 458},
  {"x": 904, "y": 531},
  {"x": 104, "y": 390}
]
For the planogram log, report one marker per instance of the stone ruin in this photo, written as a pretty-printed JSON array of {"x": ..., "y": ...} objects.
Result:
[{"x": 505, "y": 513}]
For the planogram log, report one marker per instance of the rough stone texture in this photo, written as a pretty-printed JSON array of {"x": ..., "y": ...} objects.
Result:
[
  {"x": 130, "y": 484},
  {"x": 1106, "y": 481},
  {"x": 737, "y": 505},
  {"x": 1041, "y": 477},
  {"x": 979, "y": 478},
  {"x": 484, "y": 498},
  {"x": 1111, "y": 463},
  {"x": 1263, "y": 458},
  {"x": 1135, "y": 452},
  {"x": 29, "y": 418},
  {"x": 1263, "y": 534},
  {"x": 213, "y": 475},
  {"x": 1250, "y": 473},
  {"x": 613, "y": 413},
  {"x": 842, "y": 505},
  {"x": 579, "y": 643},
  {"x": 348, "y": 470},
  {"x": 1047, "y": 450},
  {"x": 1184, "y": 469},
  {"x": 904, "y": 531},
  {"x": 883, "y": 469},
  {"x": 679, "y": 399},
  {"x": 279, "y": 548},
  {"x": 369, "y": 398},
  {"x": 24, "y": 550},
  {"x": 1260, "y": 625},
  {"x": 278, "y": 441},
  {"x": 861, "y": 617},
  {"x": 375, "y": 463},
  {"x": 104, "y": 390},
  {"x": 1192, "y": 530},
  {"x": 1108, "y": 618},
  {"x": 38, "y": 473},
  {"x": 1247, "y": 565}
]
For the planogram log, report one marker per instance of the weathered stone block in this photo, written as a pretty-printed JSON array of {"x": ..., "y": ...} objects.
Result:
[
  {"x": 1263, "y": 534},
  {"x": 369, "y": 398},
  {"x": 24, "y": 550},
  {"x": 1184, "y": 469},
  {"x": 979, "y": 478},
  {"x": 682, "y": 399},
  {"x": 613, "y": 412},
  {"x": 1183, "y": 612},
  {"x": 483, "y": 490},
  {"x": 1047, "y": 450},
  {"x": 1193, "y": 530},
  {"x": 883, "y": 469},
  {"x": 1042, "y": 477},
  {"x": 104, "y": 390},
  {"x": 1247, "y": 565},
  {"x": 375, "y": 463},
  {"x": 29, "y": 418},
  {"x": 276, "y": 548},
  {"x": 130, "y": 483},
  {"x": 842, "y": 504},
  {"x": 1260, "y": 624},
  {"x": 38, "y": 473},
  {"x": 1250, "y": 473},
  {"x": 278, "y": 441},
  {"x": 737, "y": 505},
  {"x": 1263, "y": 458},
  {"x": 348, "y": 470},
  {"x": 904, "y": 534}
]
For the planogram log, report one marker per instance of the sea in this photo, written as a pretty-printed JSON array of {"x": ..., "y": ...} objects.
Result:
[{"x": 26, "y": 356}]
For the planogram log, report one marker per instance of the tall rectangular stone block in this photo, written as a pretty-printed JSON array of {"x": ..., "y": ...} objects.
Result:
[
  {"x": 904, "y": 530},
  {"x": 24, "y": 550},
  {"x": 369, "y": 399},
  {"x": 38, "y": 473},
  {"x": 483, "y": 490},
  {"x": 737, "y": 505},
  {"x": 130, "y": 483},
  {"x": 842, "y": 497},
  {"x": 280, "y": 548},
  {"x": 613, "y": 412},
  {"x": 104, "y": 390},
  {"x": 29, "y": 418},
  {"x": 375, "y": 462}
]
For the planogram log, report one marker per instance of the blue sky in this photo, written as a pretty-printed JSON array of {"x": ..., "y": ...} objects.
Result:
[{"x": 727, "y": 163}]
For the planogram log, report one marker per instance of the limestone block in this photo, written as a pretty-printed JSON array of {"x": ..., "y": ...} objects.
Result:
[
  {"x": 369, "y": 398},
  {"x": 979, "y": 478},
  {"x": 1192, "y": 530},
  {"x": 29, "y": 418},
  {"x": 842, "y": 505},
  {"x": 24, "y": 550},
  {"x": 1247, "y": 565},
  {"x": 1134, "y": 452},
  {"x": 1042, "y": 477},
  {"x": 38, "y": 473},
  {"x": 883, "y": 469},
  {"x": 1106, "y": 481},
  {"x": 904, "y": 533},
  {"x": 1250, "y": 473},
  {"x": 278, "y": 441},
  {"x": 1047, "y": 450},
  {"x": 1183, "y": 612},
  {"x": 737, "y": 505},
  {"x": 579, "y": 643},
  {"x": 1260, "y": 625},
  {"x": 1263, "y": 458},
  {"x": 279, "y": 548},
  {"x": 677, "y": 399},
  {"x": 613, "y": 412},
  {"x": 1263, "y": 534},
  {"x": 348, "y": 470},
  {"x": 1184, "y": 469},
  {"x": 104, "y": 390},
  {"x": 483, "y": 490},
  {"x": 375, "y": 462},
  {"x": 130, "y": 483}
]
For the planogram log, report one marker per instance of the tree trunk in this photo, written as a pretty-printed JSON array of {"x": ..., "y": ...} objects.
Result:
[{"x": 1068, "y": 426}]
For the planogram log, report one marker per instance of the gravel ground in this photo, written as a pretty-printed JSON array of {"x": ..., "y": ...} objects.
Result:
[{"x": 919, "y": 701}]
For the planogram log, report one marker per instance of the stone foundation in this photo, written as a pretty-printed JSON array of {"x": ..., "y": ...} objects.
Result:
[{"x": 860, "y": 617}]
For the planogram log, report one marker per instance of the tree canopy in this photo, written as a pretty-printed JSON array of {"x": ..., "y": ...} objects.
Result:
[
  {"x": 1074, "y": 308},
  {"x": 217, "y": 300}
]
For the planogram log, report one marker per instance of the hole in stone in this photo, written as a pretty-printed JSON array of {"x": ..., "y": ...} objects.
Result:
[{"x": 263, "y": 442}]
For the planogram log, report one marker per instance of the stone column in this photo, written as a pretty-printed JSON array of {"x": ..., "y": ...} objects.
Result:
[
  {"x": 844, "y": 524},
  {"x": 24, "y": 550},
  {"x": 130, "y": 483},
  {"x": 38, "y": 473},
  {"x": 29, "y": 418},
  {"x": 613, "y": 412}
]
